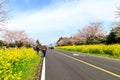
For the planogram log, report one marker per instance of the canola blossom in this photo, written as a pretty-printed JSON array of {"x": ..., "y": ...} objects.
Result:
[
  {"x": 12, "y": 62},
  {"x": 110, "y": 50}
]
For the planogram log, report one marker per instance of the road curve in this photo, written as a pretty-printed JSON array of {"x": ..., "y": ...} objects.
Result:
[{"x": 64, "y": 65}]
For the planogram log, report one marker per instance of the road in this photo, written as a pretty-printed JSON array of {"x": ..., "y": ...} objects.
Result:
[{"x": 64, "y": 65}]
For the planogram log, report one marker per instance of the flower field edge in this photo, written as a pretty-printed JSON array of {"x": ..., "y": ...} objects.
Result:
[
  {"x": 97, "y": 49},
  {"x": 15, "y": 62}
]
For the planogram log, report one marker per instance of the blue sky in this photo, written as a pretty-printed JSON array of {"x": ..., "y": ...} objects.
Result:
[{"x": 47, "y": 20}]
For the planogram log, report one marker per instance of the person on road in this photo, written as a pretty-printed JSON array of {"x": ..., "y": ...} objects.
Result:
[
  {"x": 37, "y": 49},
  {"x": 44, "y": 49}
]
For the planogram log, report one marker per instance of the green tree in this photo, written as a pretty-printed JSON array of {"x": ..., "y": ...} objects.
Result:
[
  {"x": 27, "y": 45},
  {"x": 1, "y": 43},
  {"x": 11, "y": 45},
  {"x": 114, "y": 35},
  {"x": 116, "y": 30},
  {"x": 38, "y": 43},
  {"x": 59, "y": 41},
  {"x": 111, "y": 38},
  {"x": 19, "y": 44}
]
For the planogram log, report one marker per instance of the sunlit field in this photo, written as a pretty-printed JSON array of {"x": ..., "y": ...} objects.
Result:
[
  {"x": 103, "y": 50},
  {"x": 18, "y": 64}
]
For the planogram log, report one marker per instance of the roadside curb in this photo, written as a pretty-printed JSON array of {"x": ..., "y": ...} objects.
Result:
[{"x": 39, "y": 70}]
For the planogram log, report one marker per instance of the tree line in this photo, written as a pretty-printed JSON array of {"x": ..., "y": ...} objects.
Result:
[
  {"x": 17, "y": 38},
  {"x": 93, "y": 34}
]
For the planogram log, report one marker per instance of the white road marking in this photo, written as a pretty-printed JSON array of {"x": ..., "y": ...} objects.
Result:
[
  {"x": 74, "y": 54},
  {"x": 43, "y": 70}
]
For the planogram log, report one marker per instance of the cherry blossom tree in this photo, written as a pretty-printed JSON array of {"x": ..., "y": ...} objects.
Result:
[
  {"x": 92, "y": 33},
  {"x": 3, "y": 16},
  {"x": 15, "y": 35},
  {"x": 3, "y": 13}
]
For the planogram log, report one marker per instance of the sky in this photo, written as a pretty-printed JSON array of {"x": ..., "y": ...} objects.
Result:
[{"x": 48, "y": 20}]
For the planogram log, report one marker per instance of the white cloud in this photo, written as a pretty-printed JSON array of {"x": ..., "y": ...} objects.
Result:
[{"x": 65, "y": 17}]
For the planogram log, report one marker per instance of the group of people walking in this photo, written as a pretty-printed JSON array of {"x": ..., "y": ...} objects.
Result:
[{"x": 43, "y": 49}]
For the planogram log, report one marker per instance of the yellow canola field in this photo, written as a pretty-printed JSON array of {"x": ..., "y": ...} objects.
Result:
[
  {"x": 111, "y": 50},
  {"x": 12, "y": 62}
]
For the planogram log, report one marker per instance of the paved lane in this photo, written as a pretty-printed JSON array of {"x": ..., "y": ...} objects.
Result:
[
  {"x": 60, "y": 67},
  {"x": 106, "y": 63}
]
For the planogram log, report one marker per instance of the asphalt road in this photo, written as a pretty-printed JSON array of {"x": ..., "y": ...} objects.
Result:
[{"x": 64, "y": 65}]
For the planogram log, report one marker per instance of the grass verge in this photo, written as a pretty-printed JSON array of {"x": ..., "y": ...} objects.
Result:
[{"x": 31, "y": 68}]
